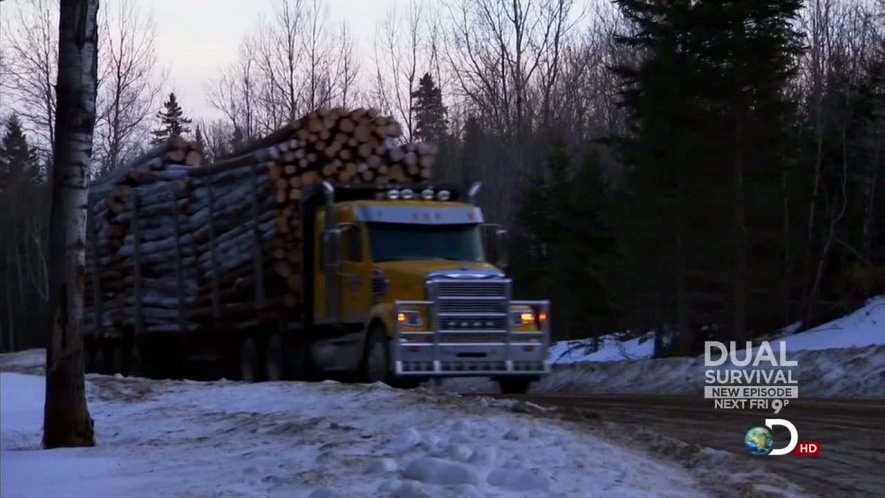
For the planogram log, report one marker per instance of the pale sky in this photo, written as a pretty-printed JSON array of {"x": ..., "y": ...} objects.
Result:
[{"x": 195, "y": 39}]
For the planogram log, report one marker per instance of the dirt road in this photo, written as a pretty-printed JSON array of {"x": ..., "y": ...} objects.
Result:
[{"x": 851, "y": 434}]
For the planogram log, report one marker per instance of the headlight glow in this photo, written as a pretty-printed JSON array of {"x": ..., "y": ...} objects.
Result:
[{"x": 409, "y": 318}]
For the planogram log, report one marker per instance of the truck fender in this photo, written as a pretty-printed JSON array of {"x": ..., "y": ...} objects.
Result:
[{"x": 381, "y": 313}]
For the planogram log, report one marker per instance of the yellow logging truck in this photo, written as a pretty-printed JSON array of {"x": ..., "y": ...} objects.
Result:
[{"x": 398, "y": 284}]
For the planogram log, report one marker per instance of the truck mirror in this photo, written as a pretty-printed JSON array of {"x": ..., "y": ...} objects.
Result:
[
  {"x": 332, "y": 247},
  {"x": 494, "y": 243},
  {"x": 501, "y": 259}
]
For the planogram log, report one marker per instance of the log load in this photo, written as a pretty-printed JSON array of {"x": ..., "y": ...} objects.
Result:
[{"x": 178, "y": 246}]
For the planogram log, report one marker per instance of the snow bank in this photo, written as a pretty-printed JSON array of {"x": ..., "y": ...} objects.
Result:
[
  {"x": 864, "y": 327},
  {"x": 842, "y": 358},
  {"x": 611, "y": 348},
  {"x": 846, "y": 372},
  {"x": 172, "y": 438}
]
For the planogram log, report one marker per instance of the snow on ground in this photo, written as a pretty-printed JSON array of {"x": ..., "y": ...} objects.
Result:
[
  {"x": 183, "y": 438},
  {"x": 842, "y": 358}
]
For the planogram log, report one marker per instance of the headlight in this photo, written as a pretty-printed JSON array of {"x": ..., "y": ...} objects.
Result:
[
  {"x": 524, "y": 315},
  {"x": 409, "y": 318}
]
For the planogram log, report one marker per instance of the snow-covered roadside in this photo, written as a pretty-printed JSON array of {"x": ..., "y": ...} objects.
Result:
[
  {"x": 170, "y": 438},
  {"x": 842, "y": 358},
  {"x": 863, "y": 327},
  {"x": 848, "y": 372}
]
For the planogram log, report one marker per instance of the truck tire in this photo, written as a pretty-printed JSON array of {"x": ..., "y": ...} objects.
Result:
[
  {"x": 299, "y": 361},
  {"x": 376, "y": 357},
  {"x": 251, "y": 365},
  {"x": 100, "y": 362},
  {"x": 135, "y": 365},
  {"x": 275, "y": 360},
  {"x": 89, "y": 360},
  {"x": 514, "y": 386},
  {"x": 114, "y": 357}
]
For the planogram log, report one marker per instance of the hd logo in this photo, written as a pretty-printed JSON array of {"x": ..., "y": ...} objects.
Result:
[{"x": 759, "y": 441}]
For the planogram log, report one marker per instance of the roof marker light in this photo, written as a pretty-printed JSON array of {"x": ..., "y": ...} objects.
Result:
[
  {"x": 407, "y": 193},
  {"x": 393, "y": 194},
  {"x": 443, "y": 195},
  {"x": 427, "y": 194}
]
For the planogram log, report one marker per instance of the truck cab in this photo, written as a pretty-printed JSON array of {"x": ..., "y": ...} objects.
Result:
[{"x": 413, "y": 280}]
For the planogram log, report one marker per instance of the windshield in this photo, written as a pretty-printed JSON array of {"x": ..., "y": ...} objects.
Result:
[{"x": 408, "y": 241}]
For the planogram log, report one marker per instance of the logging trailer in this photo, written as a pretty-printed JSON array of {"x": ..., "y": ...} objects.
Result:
[{"x": 400, "y": 285}]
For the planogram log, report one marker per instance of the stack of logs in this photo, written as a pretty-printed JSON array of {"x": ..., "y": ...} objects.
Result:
[{"x": 178, "y": 246}]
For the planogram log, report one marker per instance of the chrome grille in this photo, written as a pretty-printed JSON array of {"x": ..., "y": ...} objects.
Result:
[
  {"x": 471, "y": 305},
  {"x": 475, "y": 306},
  {"x": 472, "y": 288}
]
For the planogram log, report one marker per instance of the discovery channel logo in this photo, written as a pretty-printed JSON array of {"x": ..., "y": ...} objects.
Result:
[{"x": 760, "y": 442}]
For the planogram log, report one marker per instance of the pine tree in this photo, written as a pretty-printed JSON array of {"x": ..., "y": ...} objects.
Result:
[
  {"x": 473, "y": 151},
  {"x": 18, "y": 160},
  {"x": 567, "y": 238},
  {"x": 661, "y": 149},
  {"x": 430, "y": 113},
  {"x": 201, "y": 142},
  {"x": 172, "y": 121},
  {"x": 752, "y": 54},
  {"x": 711, "y": 126}
]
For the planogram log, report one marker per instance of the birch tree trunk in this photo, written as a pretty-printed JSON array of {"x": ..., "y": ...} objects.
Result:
[{"x": 67, "y": 421}]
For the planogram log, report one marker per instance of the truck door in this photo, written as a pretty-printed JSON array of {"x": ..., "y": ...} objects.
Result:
[{"x": 354, "y": 275}]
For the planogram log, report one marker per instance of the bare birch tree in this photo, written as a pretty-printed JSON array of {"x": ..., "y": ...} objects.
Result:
[
  {"x": 398, "y": 47},
  {"x": 30, "y": 68},
  {"x": 129, "y": 90},
  {"x": 319, "y": 62},
  {"x": 235, "y": 93},
  {"x": 66, "y": 417},
  {"x": 286, "y": 67},
  {"x": 348, "y": 67}
]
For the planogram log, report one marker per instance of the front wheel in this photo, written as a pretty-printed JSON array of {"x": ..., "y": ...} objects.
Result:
[{"x": 376, "y": 358}]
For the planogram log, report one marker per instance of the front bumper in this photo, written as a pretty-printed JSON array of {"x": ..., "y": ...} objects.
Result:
[{"x": 453, "y": 353}]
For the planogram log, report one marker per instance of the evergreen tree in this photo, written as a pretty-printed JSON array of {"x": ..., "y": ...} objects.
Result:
[
  {"x": 710, "y": 126},
  {"x": 473, "y": 151},
  {"x": 237, "y": 139},
  {"x": 201, "y": 142},
  {"x": 173, "y": 123},
  {"x": 664, "y": 109},
  {"x": 18, "y": 160},
  {"x": 566, "y": 238},
  {"x": 430, "y": 113}
]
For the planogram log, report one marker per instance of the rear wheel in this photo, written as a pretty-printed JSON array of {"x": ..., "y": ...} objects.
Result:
[
  {"x": 135, "y": 366},
  {"x": 275, "y": 359},
  {"x": 514, "y": 386},
  {"x": 250, "y": 361},
  {"x": 89, "y": 364},
  {"x": 115, "y": 360},
  {"x": 99, "y": 361}
]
